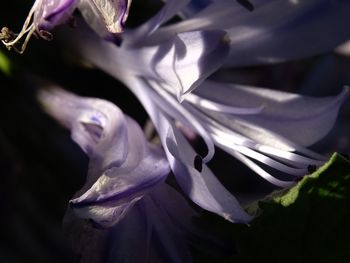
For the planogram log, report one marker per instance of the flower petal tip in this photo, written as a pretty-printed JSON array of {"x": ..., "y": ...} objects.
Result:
[{"x": 243, "y": 218}]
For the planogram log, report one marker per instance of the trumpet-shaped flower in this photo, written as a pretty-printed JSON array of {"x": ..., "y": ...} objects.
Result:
[
  {"x": 167, "y": 68},
  {"x": 123, "y": 165},
  {"x": 125, "y": 189}
]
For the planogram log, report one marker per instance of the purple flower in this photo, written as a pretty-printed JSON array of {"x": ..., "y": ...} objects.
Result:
[
  {"x": 167, "y": 67},
  {"x": 125, "y": 196},
  {"x": 123, "y": 165},
  {"x": 105, "y": 16},
  {"x": 151, "y": 231}
]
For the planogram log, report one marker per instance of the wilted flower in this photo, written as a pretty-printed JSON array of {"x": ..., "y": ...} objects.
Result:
[{"x": 106, "y": 17}]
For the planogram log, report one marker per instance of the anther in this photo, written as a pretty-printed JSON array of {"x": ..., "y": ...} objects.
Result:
[{"x": 6, "y": 34}]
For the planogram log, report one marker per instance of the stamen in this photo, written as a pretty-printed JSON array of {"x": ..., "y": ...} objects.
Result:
[
  {"x": 10, "y": 40},
  {"x": 268, "y": 177},
  {"x": 183, "y": 116},
  {"x": 287, "y": 155},
  {"x": 231, "y": 147}
]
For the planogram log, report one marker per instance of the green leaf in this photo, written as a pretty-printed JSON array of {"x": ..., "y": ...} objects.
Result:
[
  {"x": 308, "y": 223},
  {"x": 5, "y": 65}
]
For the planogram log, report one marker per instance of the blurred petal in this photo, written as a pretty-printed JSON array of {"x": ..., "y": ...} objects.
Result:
[
  {"x": 219, "y": 14},
  {"x": 344, "y": 49},
  {"x": 118, "y": 188},
  {"x": 284, "y": 31},
  {"x": 96, "y": 125},
  {"x": 193, "y": 7},
  {"x": 152, "y": 227},
  {"x": 123, "y": 165},
  {"x": 275, "y": 31}
]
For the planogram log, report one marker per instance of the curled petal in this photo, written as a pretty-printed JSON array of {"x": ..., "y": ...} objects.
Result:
[
  {"x": 108, "y": 200},
  {"x": 51, "y": 13},
  {"x": 114, "y": 192},
  {"x": 123, "y": 165},
  {"x": 96, "y": 125},
  {"x": 188, "y": 59},
  {"x": 182, "y": 63},
  {"x": 105, "y": 15}
]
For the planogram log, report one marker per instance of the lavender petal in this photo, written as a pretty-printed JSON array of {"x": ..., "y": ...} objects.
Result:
[
  {"x": 201, "y": 186},
  {"x": 181, "y": 63},
  {"x": 53, "y": 12},
  {"x": 105, "y": 15},
  {"x": 303, "y": 120},
  {"x": 123, "y": 165}
]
